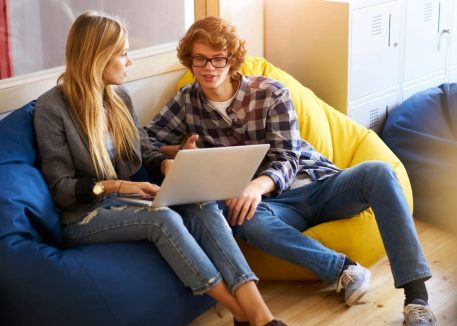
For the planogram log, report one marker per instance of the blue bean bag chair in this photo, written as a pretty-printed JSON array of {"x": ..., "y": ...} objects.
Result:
[
  {"x": 43, "y": 283},
  {"x": 422, "y": 132}
]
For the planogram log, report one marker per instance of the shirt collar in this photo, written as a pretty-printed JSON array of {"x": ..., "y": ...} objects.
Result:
[{"x": 238, "y": 98}]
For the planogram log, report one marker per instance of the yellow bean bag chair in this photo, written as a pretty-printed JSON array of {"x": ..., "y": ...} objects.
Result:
[{"x": 344, "y": 142}]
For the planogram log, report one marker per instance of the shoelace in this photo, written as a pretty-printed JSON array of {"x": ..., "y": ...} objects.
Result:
[
  {"x": 419, "y": 313},
  {"x": 345, "y": 278}
]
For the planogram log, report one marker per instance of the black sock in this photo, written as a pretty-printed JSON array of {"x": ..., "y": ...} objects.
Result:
[
  {"x": 415, "y": 290},
  {"x": 346, "y": 263}
]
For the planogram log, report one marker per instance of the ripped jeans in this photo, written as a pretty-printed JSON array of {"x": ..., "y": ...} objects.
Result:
[{"x": 194, "y": 239}]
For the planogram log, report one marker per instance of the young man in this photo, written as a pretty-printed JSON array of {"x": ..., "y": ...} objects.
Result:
[{"x": 296, "y": 186}]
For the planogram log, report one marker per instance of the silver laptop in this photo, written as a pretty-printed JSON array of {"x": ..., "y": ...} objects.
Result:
[{"x": 206, "y": 174}]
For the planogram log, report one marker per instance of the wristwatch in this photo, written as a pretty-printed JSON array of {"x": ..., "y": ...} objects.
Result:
[{"x": 98, "y": 189}]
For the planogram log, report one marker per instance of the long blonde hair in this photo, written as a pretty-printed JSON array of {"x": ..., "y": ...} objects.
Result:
[{"x": 92, "y": 41}]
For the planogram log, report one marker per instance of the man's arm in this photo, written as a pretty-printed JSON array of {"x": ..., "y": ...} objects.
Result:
[
  {"x": 285, "y": 142},
  {"x": 166, "y": 129},
  {"x": 283, "y": 159},
  {"x": 244, "y": 207}
]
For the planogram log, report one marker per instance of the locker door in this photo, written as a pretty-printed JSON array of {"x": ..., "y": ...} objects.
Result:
[
  {"x": 372, "y": 114},
  {"x": 453, "y": 49},
  {"x": 425, "y": 38},
  {"x": 374, "y": 57}
]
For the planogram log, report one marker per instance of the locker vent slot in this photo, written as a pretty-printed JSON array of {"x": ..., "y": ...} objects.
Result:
[
  {"x": 376, "y": 25},
  {"x": 374, "y": 118},
  {"x": 428, "y": 12}
]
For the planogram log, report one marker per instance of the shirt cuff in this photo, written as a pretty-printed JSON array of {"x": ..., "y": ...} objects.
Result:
[
  {"x": 279, "y": 183},
  {"x": 83, "y": 190},
  {"x": 155, "y": 167}
]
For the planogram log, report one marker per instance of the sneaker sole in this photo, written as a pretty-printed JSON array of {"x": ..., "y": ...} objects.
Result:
[{"x": 359, "y": 293}]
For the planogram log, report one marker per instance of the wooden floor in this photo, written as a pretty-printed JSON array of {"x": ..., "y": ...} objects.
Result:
[{"x": 311, "y": 303}]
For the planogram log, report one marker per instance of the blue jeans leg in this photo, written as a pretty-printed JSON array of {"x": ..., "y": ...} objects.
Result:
[
  {"x": 277, "y": 227},
  {"x": 114, "y": 221},
  {"x": 209, "y": 227},
  {"x": 279, "y": 221},
  {"x": 374, "y": 184}
]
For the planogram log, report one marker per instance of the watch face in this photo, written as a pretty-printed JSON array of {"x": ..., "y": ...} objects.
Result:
[{"x": 98, "y": 189}]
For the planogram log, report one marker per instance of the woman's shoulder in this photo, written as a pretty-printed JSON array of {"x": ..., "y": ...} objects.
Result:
[
  {"x": 51, "y": 96},
  {"x": 51, "y": 108},
  {"x": 52, "y": 100}
]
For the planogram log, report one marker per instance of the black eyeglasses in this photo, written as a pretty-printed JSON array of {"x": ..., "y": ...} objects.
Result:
[{"x": 217, "y": 62}]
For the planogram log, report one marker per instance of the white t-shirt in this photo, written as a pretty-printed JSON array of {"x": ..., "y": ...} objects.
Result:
[{"x": 221, "y": 107}]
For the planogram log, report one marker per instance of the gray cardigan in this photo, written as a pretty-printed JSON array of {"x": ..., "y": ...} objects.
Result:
[{"x": 65, "y": 160}]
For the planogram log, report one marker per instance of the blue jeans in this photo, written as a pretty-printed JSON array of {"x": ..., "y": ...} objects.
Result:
[
  {"x": 195, "y": 240},
  {"x": 279, "y": 221}
]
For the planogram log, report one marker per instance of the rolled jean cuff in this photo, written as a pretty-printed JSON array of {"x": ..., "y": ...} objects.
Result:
[
  {"x": 241, "y": 280},
  {"x": 423, "y": 275},
  {"x": 212, "y": 282},
  {"x": 338, "y": 269}
]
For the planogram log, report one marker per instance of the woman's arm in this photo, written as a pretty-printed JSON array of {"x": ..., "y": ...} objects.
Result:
[
  {"x": 54, "y": 128},
  {"x": 65, "y": 160}
]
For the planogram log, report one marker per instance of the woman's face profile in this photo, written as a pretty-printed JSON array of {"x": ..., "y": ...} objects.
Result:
[{"x": 117, "y": 68}]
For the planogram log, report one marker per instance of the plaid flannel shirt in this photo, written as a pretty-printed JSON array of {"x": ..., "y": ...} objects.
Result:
[{"x": 261, "y": 112}]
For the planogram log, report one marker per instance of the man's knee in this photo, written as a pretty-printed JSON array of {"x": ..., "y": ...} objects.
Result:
[
  {"x": 374, "y": 169},
  {"x": 252, "y": 228}
]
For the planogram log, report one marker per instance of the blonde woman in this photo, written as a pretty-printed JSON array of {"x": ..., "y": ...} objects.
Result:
[{"x": 90, "y": 144}]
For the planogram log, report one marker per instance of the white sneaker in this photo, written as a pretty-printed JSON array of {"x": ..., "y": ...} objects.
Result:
[
  {"x": 355, "y": 280},
  {"x": 418, "y": 313}
]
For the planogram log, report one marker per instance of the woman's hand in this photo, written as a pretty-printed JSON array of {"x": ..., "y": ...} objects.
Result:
[{"x": 123, "y": 187}]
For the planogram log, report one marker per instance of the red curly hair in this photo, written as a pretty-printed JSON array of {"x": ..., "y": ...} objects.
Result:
[{"x": 219, "y": 35}]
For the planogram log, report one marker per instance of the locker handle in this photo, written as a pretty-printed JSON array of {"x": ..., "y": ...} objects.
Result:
[
  {"x": 389, "y": 31},
  {"x": 439, "y": 16}
]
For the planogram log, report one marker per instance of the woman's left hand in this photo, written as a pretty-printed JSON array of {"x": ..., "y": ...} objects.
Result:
[{"x": 122, "y": 187}]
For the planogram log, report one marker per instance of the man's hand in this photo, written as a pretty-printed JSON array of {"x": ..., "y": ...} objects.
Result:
[
  {"x": 191, "y": 142},
  {"x": 244, "y": 207}
]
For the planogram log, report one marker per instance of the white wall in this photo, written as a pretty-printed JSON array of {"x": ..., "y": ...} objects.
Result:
[
  {"x": 149, "y": 95},
  {"x": 248, "y": 17}
]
